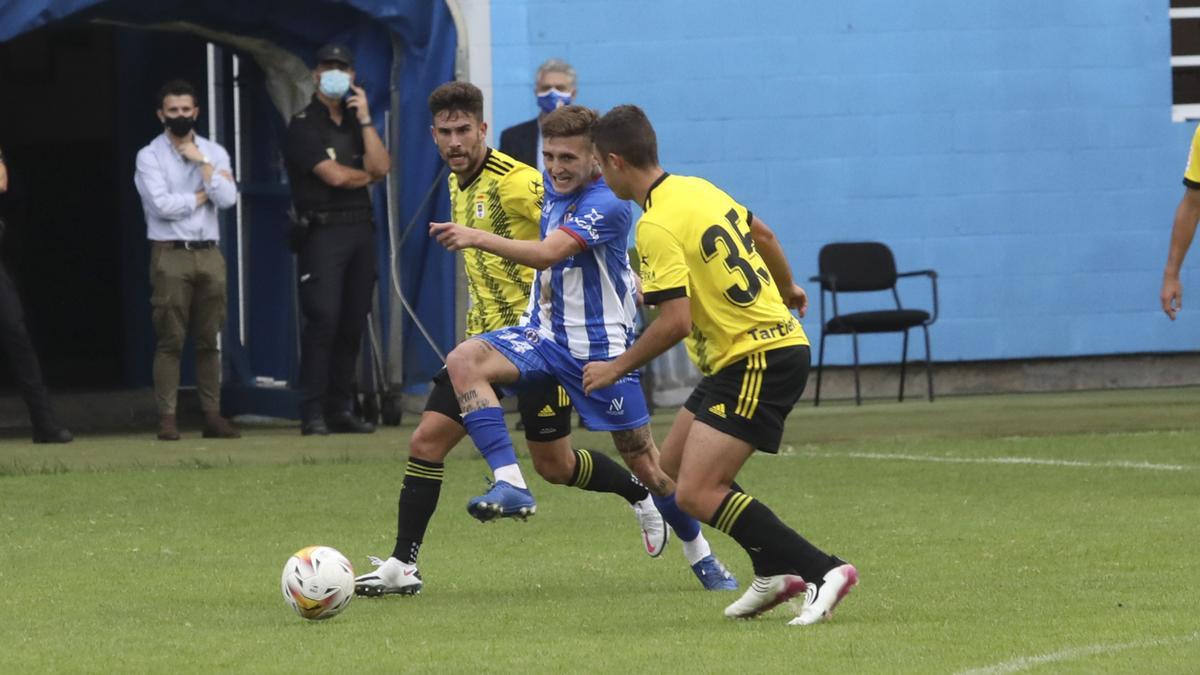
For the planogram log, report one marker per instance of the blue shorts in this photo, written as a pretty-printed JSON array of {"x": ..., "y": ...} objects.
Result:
[{"x": 617, "y": 407}]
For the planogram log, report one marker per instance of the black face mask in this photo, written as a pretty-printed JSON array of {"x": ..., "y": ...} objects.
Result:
[{"x": 179, "y": 126}]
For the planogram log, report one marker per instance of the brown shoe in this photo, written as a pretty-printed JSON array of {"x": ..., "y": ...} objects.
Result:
[
  {"x": 216, "y": 426},
  {"x": 167, "y": 430}
]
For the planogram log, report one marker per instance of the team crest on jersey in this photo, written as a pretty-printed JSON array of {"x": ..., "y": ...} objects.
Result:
[{"x": 480, "y": 206}]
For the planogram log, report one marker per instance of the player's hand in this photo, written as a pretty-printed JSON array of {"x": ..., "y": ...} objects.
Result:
[
  {"x": 1171, "y": 297},
  {"x": 638, "y": 296},
  {"x": 191, "y": 153},
  {"x": 358, "y": 103},
  {"x": 453, "y": 236},
  {"x": 795, "y": 298},
  {"x": 598, "y": 375}
]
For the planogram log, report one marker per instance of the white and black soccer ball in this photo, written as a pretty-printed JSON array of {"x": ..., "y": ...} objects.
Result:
[{"x": 318, "y": 582}]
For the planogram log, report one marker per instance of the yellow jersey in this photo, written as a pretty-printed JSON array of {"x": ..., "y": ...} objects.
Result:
[
  {"x": 504, "y": 198},
  {"x": 1191, "y": 174},
  {"x": 694, "y": 240}
]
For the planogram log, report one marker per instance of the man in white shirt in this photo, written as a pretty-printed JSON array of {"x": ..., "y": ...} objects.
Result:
[{"x": 183, "y": 179}]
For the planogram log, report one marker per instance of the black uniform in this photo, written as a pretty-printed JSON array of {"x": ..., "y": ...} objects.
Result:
[
  {"x": 16, "y": 345},
  {"x": 337, "y": 258}
]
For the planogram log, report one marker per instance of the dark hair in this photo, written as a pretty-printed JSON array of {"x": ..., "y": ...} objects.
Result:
[
  {"x": 569, "y": 120},
  {"x": 177, "y": 88},
  {"x": 626, "y": 131},
  {"x": 457, "y": 97}
]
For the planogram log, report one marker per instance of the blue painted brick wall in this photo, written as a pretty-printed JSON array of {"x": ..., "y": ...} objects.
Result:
[{"x": 1024, "y": 148}]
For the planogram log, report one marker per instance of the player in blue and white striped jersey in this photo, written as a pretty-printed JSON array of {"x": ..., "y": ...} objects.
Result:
[
  {"x": 581, "y": 309},
  {"x": 585, "y": 303}
]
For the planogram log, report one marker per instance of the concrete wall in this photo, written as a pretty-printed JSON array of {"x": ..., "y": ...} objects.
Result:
[{"x": 1023, "y": 148}]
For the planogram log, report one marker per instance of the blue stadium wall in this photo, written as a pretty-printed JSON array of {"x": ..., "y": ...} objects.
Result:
[{"x": 1024, "y": 148}]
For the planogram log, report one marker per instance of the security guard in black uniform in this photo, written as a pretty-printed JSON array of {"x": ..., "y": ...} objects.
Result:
[
  {"x": 15, "y": 342},
  {"x": 333, "y": 152}
]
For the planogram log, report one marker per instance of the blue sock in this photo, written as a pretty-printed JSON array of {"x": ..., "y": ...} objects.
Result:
[
  {"x": 686, "y": 527},
  {"x": 487, "y": 430}
]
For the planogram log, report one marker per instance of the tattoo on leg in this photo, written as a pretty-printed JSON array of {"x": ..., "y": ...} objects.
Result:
[
  {"x": 633, "y": 443},
  {"x": 469, "y": 401}
]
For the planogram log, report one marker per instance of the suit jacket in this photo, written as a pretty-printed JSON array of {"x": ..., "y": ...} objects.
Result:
[{"x": 520, "y": 142}]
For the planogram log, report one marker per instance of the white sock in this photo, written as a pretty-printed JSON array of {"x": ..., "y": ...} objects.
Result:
[
  {"x": 511, "y": 474},
  {"x": 696, "y": 549}
]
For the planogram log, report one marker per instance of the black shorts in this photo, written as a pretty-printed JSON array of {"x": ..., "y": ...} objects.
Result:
[
  {"x": 545, "y": 409},
  {"x": 750, "y": 398}
]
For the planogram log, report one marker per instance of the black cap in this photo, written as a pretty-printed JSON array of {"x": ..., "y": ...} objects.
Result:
[{"x": 332, "y": 52}]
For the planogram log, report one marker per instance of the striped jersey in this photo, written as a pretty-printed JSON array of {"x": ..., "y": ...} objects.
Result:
[
  {"x": 504, "y": 198},
  {"x": 585, "y": 303}
]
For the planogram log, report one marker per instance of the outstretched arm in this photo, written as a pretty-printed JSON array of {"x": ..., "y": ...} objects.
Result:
[
  {"x": 673, "y": 324},
  {"x": 558, "y": 246}
]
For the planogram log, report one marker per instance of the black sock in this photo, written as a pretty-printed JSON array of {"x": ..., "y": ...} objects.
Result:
[
  {"x": 418, "y": 500},
  {"x": 774, "y": 548},
  {"x": 759, "y": 559},
  {"x": 597, "y": 472}
]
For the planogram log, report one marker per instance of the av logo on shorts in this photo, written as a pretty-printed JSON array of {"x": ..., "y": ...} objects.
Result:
[
  {"x": 532, "y": 336},
  {"x": 718, "y": 410},
  {"x": 617, "y": 406}
]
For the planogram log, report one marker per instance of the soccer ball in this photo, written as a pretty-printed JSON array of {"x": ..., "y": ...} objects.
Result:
[{"x": 318, "y": 582}]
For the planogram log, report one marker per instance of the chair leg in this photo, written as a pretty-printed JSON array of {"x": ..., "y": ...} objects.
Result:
[
  {"x": 928, "y": 363},
  {"x": 857, "y": 392},
  {"x": 820, "y": 367},
  {"x": 903, "y": 362}
]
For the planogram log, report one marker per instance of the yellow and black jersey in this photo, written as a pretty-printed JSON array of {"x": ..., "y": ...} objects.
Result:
[
  {"x": 1191, "y": 174},
  {"x": 504, "y": 198},
  {"x": 694, "y": 240}
]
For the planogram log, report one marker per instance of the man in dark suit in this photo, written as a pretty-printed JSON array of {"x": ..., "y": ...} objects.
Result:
[{"x": 554, "y": 87}]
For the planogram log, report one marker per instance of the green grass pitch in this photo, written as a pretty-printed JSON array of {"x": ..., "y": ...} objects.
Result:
[{"x": 998, "y": 534}]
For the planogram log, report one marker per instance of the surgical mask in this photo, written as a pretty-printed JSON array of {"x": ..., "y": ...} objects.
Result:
[
  {"x": 550, "y": 100},
  {"x": 179, "y": 126},
  {"x": 335, "y": 83}
]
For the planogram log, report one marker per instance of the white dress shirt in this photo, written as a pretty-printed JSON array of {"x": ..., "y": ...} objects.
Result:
[{"x": 168, "y": 183}]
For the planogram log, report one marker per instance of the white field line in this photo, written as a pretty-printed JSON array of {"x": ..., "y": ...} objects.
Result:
[
  {"x": 1074, "y": 653},
  {"x": 1030, "y": 461}
]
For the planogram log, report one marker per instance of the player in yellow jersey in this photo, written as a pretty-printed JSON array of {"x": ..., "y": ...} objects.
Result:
[
  {"x": 721, "y": 280},
  {"x": 1184, "y": 229},
  {"x": 491, "y": 191}
]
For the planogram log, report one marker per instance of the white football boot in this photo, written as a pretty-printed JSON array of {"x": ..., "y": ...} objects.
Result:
[
  {"x": 821, "y": 598},
  {"x": 765, "y": 594},
  {"x": 655, "y": 532},
  {"x": 391, "y": 577}
]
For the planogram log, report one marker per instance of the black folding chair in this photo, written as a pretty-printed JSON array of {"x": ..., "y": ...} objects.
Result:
[{"x": 869, "y": 266}]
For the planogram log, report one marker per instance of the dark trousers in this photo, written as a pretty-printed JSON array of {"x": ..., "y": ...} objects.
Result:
[
  {"x": 15, "y": 342},
  {"x": 337, "y": 267}
]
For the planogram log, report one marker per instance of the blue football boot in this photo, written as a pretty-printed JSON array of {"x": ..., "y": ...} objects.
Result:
[
  {"x": 502, "y": 500},
  {"x": 713, "y": 575}
]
